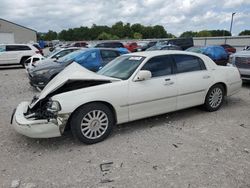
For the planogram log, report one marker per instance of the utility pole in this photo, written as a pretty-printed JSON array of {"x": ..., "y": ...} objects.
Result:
[{"x": 232, "y": 22}]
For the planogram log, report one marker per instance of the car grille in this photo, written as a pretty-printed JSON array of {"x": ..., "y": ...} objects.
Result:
[{"x": 242, "y": 62}]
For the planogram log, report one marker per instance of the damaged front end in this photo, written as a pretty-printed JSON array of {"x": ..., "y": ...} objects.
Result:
[{"x": 42, "y": 118}]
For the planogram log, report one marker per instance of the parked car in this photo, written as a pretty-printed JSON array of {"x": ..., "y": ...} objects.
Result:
[
  {"x": 184, "y": 43},
  {"x": 56, "y": 54},
  {"x": 131, "y": 46},
  {"x": 217, "y": 53},
  {"x": 16, "y": 54},
  {"x": 144, "y": 45},
  {"x": 79, "y": 44},
  {"x": 32, "y": 60},
  {"x": 228, "y": 48},
  {"x": 92, "y": 59},
  {"x": 131, "y": 87},
  {"x": 110, "y": 45},
  {"x": 242, "y": 61},
  {"x": 117, "y": 45},
  {"x": 164, "y": 47}
]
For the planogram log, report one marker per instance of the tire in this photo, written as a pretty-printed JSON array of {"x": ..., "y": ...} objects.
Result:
[
  {"x": 214, "y": 98},
  {"x": 23, "y": 60},
  {"x": 92, "y": 123}
]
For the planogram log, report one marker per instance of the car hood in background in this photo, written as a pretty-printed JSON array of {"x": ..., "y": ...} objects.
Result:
[
  {"x": 45, "y": 64},
  {"x": 73, "y": 71}
]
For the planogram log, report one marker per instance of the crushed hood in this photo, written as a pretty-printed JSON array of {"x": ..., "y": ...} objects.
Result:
[{"x": 72, "y": 72}]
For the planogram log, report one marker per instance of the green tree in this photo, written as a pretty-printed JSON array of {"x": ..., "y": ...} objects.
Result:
[
  {"x": 204, "y": 33},
  {"x": 137, "y": 35},
  {"x": 245, "y": 32},
  {"x": 50, "y": 35},
  {"x": 189, "y": 34}
]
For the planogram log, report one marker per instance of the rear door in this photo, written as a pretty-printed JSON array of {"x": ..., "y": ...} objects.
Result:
[{"x": 193, "y": 80}]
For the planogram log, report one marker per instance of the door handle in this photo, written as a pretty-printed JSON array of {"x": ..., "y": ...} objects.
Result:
[
  {"x": 168, "y": 82},
  {"x": 206, "y": 77}
]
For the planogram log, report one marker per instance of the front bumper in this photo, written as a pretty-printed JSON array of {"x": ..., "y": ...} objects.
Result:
[
  {"x": 37, "y": 81},
  {"x": 245, "y": 74},
  {"x": 34, "y": 128}
]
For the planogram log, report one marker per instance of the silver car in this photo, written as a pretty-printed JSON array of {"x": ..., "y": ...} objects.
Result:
[{"x": 242, "y": 61}]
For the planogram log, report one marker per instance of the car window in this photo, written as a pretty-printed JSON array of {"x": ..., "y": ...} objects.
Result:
[
  {"x": 188, "y": 63},
  {"x": 17, "y": 48},
  {"x": 27, "y": 61},
  {"x": 35, "y": 59},
  {"x": 2, "y": 48},
  {"x": 61, "y": 53},
  {"x": 109, "y": 54},
  {"x": 159, "y": 66}
]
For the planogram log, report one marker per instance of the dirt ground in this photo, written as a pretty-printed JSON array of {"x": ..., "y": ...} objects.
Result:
[{"x": 186, "y": 149}]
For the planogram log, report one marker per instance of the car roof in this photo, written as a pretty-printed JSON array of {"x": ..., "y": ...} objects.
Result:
[{"x": 163, "y": 52}]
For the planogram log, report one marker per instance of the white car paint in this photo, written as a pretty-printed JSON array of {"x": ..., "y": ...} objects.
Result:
[
  {"x": 15, "y": 56},
  {"x": 32, "y": 59},
  {"x": 130, "y": 99}
]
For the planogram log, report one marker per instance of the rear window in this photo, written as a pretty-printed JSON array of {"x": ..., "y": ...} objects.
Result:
[
  {"x": 17, "y": 48},
  {"x": 188, "y": 63}
]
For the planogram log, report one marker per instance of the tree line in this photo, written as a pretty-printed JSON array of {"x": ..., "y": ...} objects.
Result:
[
  {"x": 117, "y": 31},
  {"x": 122, "y": 30}
]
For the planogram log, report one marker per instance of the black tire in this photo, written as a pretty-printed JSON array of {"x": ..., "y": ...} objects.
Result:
[
  {"x": 23, "y": 60},
  {"x": 213, "y": 106},
  {"x": 83, "y": 112}
]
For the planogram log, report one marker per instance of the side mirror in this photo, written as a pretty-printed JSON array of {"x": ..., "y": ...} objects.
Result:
[{"x": 143, "y": 75}]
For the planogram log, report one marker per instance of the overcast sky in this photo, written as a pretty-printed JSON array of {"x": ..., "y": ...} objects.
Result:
[{"x": 176, "y": 16}]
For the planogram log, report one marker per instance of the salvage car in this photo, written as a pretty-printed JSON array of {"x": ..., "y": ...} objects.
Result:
[
  {"x": 131, "y": 87},
  {"x": 242, "y": 61},
  {"x": 91, "y": 59}
]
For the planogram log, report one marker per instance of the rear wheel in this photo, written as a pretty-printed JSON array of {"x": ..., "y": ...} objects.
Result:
[
  {"x": 92, "y": 123},
  {"x": 23, "y": 61},
  {"x": 214, "y": 98}
]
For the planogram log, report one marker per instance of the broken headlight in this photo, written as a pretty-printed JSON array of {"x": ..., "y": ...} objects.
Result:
[{"x": 53, "y": 106}]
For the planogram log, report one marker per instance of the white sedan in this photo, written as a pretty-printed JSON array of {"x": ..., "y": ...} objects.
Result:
[{"x": 131, "y": 87}]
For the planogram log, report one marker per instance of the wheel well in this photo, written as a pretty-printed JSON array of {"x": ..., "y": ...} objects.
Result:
[
  {"x": 224, "y": 86},
  {"x": 24, "y": 58},
  {"x": 102, "y": 102}
]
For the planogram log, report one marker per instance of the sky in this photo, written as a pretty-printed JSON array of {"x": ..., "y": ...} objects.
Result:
[{"x": 176, "y": 16}]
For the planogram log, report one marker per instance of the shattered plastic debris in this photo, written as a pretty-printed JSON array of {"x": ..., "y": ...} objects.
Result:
[{"x": 106, "y": 166}]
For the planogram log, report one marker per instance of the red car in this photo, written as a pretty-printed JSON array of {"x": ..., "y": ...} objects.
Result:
[
  {"x": 132, "y": 46},
  {"x": 228, "y": 48}
]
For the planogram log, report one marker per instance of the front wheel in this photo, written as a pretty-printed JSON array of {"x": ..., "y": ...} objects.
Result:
[
  {"x": 92, "y": 123},
  {"x": 214, "y": 98}
]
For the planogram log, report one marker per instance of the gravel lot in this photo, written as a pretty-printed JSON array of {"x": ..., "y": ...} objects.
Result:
[{"x": 186, "y": 149}]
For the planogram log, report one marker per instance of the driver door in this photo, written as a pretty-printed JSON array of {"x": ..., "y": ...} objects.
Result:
[{"x": 156, "y": 95}]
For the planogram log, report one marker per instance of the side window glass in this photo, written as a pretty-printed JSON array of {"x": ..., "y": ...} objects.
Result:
[
  {"x": 159, "y": 66},
  {"x": 188, "y": 63},
  {"x": 91, "y": 57},
  {"x": 106, "y": 54}
]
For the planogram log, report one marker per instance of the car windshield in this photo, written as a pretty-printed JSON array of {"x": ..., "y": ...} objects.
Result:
[{"x": 122, "y": 67}]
